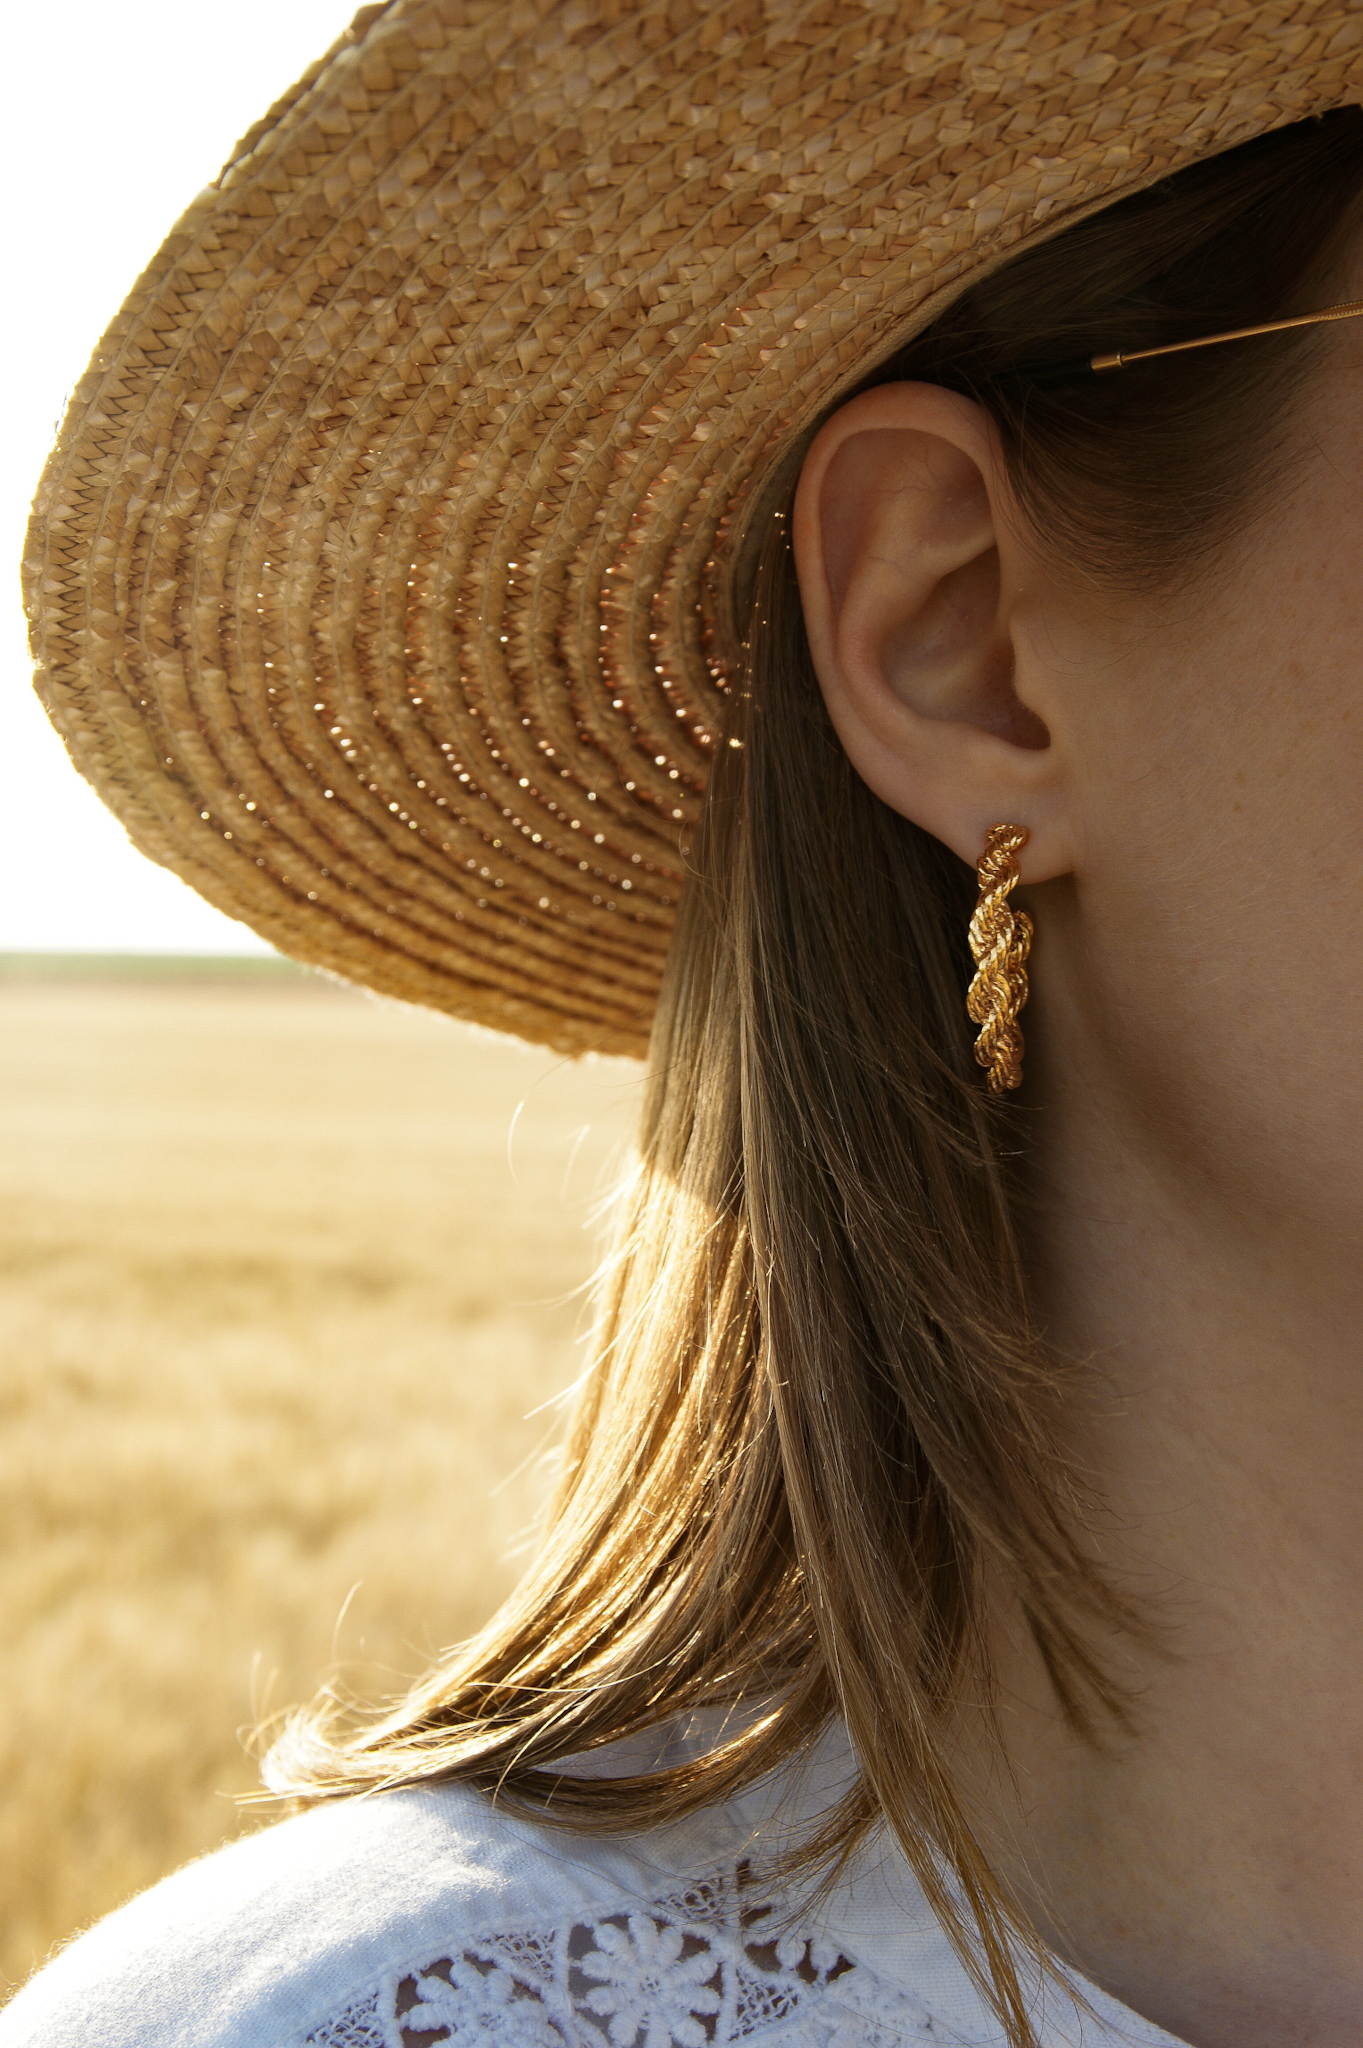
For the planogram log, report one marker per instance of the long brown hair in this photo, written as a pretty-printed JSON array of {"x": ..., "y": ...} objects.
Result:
[{"x": 818, "y": 1410}]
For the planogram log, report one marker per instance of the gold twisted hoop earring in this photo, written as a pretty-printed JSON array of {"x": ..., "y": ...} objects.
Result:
[{"x": 1000, "y": 939}]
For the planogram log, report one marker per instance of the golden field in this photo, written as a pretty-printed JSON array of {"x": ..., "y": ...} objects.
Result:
[{"x": 281, "y": 1289}]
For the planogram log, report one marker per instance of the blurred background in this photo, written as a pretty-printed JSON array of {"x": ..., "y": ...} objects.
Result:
[{"x": 290, "y": 1278}]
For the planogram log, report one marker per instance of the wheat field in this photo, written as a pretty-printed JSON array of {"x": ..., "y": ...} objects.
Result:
[{"x": 286, "y": 1273}]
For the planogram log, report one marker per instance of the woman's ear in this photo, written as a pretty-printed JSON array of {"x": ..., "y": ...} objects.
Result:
[{"x": 916, "y": 584}]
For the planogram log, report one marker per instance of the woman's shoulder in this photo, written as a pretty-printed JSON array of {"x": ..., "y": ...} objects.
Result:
[
  {"x": 413, "y": 1917},
  {"x": 326, "y": 1928},
  {"x": 409, "y": 1918}
]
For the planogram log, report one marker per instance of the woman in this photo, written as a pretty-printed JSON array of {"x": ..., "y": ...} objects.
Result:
[{"x": 944, "y": 1627}]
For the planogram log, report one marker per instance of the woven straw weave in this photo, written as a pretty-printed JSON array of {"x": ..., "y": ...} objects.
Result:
[{"x": 380, "y": 579}]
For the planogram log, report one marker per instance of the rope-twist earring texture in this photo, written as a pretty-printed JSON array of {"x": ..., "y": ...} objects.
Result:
[{"x": 1000, "y": 939}]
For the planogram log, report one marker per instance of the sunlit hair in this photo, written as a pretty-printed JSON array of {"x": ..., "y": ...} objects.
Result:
[{"x": 819, "y": 1415}]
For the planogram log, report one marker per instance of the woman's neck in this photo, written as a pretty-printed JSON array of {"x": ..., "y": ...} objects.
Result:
[{"x": 1206, "y": 1867}]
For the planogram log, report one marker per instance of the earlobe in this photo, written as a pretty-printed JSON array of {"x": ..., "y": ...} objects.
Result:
[{"x": 909, "y": 578}]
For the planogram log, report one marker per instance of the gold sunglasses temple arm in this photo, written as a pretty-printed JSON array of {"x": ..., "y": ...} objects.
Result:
[{"x": 1120, "y": 359}]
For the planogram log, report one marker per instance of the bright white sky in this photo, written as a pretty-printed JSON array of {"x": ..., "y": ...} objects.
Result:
[{"x": 125, "y": 111}]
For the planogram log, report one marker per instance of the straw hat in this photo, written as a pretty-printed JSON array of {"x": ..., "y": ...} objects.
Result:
[{"x": 380, "y": 576}]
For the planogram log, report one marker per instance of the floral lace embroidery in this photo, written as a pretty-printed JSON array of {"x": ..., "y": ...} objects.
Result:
[{"x": 713, "y": 1965}]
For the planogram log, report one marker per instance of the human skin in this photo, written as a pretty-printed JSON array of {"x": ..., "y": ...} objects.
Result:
[{"x": 1189, "y": 767}]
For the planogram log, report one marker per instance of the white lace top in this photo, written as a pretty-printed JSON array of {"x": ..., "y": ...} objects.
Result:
[{"x": 421, "y": 1917}]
